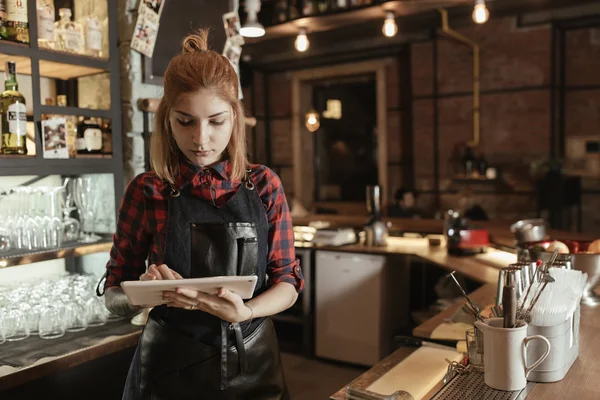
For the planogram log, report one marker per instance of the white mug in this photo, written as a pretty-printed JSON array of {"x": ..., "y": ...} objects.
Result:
[{"x": 504, "y": 354}]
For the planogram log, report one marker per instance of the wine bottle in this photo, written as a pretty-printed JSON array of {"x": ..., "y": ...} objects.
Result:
[
  {"x": 14, "y": 117},
  {"x": 45, "y": 23},
  {"x": 89, "y": 137},
  {"x": 16, "y": 26},
  {"x": 2, "y": 18}
]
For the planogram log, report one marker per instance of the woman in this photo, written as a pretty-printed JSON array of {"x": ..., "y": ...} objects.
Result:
[{"x": 204, "y": 211}]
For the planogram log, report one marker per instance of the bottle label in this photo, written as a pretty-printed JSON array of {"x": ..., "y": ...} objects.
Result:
[
  {"x": 16, "y": 10},
  {"x": 46, "y": 23},
  {"x": 73, "y": 40},
  {"x": 93, "y": 139},
  {"x": 93, "y": 39},
  {"x": 17, "y": 119},
  {"x": 80, "y": 144}
]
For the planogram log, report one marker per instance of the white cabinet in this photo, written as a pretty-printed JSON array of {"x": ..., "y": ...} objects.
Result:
[{"x": 354, "y": 315}]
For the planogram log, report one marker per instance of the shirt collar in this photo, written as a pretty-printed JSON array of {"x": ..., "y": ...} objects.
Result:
[{"x": 190, "y": 172}]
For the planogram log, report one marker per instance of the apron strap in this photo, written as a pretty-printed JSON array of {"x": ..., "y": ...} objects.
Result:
[
  {"x": 103, "y": 278},
  {"x": 241, "y": 350}
]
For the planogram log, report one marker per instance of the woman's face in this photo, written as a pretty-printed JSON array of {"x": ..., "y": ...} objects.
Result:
[{"x": 202, "y": 124}]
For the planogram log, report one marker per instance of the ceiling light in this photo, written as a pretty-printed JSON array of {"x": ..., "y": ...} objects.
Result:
[
  {"x": 389, "y": 26},
  {"x": 252, "y": 28},
  {"x": 480, "y": 12}
]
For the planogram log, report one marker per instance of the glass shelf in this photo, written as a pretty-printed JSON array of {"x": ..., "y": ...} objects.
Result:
[{"x": 14, "y": 258}]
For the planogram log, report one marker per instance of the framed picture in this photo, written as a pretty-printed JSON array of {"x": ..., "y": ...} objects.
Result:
[
  {"x": 155, "y": 6},
  {"x": 54, "y": 132},
  {"x": 146, "y": 31},
  {"x": 232, "y": 25},
  {"x": 233, "y": 52}
]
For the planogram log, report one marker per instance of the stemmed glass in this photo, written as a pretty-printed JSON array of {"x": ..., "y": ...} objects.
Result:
[
  {"x": 71, "y": 225},
  {"x": 5, "y": 222},
  {"x": 86, "y": 203}
]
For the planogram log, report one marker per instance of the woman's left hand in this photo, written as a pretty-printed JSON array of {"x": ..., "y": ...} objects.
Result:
[{"x": 225, "y": 305}]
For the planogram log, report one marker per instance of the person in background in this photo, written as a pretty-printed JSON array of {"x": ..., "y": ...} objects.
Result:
[
  {"x": 404, "y": 205},
  {"x": 204, "y": 211}
]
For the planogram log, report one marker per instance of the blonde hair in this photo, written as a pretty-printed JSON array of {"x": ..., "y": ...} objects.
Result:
[{"x": 197, "y": 68}]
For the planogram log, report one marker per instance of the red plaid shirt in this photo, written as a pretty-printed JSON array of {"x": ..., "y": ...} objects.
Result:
[{"x": 141, "y": 227}]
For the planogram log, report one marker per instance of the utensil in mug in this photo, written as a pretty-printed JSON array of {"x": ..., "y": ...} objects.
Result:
[
  {"x": 504, "y": 354},
  {"x": 509, "y": 275}
]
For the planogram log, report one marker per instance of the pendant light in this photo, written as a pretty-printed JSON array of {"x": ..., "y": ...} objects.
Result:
[
  {"x": 302, "y": 42},
  {"x": 252, "y": 28},
  {"x": 312, "y": 122},
  {"x": 480, "y": 12},
  {"x": 389, "y": 26}
]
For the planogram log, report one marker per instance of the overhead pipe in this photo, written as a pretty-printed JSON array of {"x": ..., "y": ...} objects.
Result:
[{"x": 457, "y": 36}]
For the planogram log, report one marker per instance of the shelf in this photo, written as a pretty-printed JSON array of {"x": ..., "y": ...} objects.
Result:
[
  {"x": 13, "y": 48},
  {"x": 12, "y": 259},
  {"x": 83, "y": 112},
  {"x": 353, "y": 15},
  {"x": 53, "y": 64},
  {"x": 30, "y": 165}
]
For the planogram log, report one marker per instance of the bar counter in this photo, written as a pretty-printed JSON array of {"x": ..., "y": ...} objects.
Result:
[
  {"x": 481, "y": 268},
  {"x": 581, "y": 382}
]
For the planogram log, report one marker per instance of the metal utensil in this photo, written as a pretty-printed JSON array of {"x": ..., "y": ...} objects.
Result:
[
  {"x": 363, "y": 394},
  {"x": 473, "y": 306},
  {"x": 547, "y": 278},
  {"x": 509, "y": 305}
]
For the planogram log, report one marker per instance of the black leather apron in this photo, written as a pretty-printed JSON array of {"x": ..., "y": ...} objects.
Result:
[{"x": 190, "y": 354}]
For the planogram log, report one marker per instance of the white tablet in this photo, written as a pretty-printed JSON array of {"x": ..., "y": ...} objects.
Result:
[{"x": 150, "y": 292}]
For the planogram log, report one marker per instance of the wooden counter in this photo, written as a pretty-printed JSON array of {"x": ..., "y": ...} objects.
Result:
[
  {"x": 499, "y": 230},
  {"x": 482, "y": 268},
  {"x": 581, "y": 382},
  {"x": 11, "y": 377}
]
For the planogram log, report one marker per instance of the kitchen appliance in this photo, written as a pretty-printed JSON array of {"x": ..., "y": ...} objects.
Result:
[
  {"x": 528, "y": 231},
  {"x": 361, "y": 302},
  {"x": 376, "y": 230},
  {"x": 462, "y": 237}
]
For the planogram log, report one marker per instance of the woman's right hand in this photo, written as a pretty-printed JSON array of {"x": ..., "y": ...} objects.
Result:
[{"x": 162, "y": 272}]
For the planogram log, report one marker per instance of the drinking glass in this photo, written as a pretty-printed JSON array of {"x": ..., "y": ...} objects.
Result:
[
  {"x": 86, "y": 203},
  {"x": 98, "y": 314},
  {"x": 2, "y": 326},
  {"x": 475, "y": 348},
  {"x": 5, "y": 223},
  {"x": 51, "y": 323},
  {"x": 16, "y": 326}
]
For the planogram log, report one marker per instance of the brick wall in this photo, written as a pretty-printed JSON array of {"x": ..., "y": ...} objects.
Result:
[{"x": 515, "y": 108}]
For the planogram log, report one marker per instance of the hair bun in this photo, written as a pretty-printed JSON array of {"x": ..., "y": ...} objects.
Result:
[{"x": 195, "y": 42}]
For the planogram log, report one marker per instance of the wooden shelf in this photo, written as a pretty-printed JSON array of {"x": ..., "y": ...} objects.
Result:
[
  {"x": 14, "y": 258},
  {"x": 83, "y": 112},
  {"x": 50, "y": 69},
  {"x": 353, "y": 15}
]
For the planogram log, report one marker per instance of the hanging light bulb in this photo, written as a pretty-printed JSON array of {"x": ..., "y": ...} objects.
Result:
[
  {"x": 302, "y": 42},
  {"x": 389, "y": 26},
  {"x": 252, "y": 28},
  {"x": 480, "y": 12},
  {"x": 312, "y": 122}
]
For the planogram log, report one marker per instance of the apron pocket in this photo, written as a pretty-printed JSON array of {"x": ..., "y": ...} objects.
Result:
[{"x": 247, "y": 256}]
